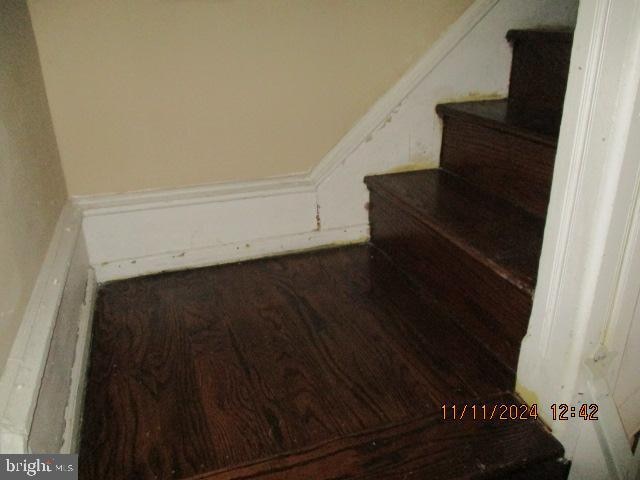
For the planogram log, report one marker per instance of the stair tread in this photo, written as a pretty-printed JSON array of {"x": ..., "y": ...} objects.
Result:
[
  {"x": 418, "y": 448},
  {"x": 561, "y": 34},
  {"x": 539, "y": 126},
  {"x": 503, "y": 237},
  {"x": 540, "y": 69}
]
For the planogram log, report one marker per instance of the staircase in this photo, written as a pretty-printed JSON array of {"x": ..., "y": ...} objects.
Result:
[
  {"x": 471, "y": 230},
  {"x": 348, "y": 362}
]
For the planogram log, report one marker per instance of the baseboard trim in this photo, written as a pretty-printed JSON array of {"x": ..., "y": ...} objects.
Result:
[
  {"x": 621, "y": 462},
  {"x": 144, "y": 238},
  {"x": 73, "y": 411},
  {"x": 229, "y": 253},
  {"x": 22, "y": 376},
  {"x": 93, "y": 205}
]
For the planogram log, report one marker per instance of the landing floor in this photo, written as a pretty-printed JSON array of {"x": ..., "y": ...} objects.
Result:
[{"x": 309, "y": 366}]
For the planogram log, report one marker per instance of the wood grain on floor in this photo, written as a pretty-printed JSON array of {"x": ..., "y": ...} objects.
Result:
[{"x": 203, "y": 370}]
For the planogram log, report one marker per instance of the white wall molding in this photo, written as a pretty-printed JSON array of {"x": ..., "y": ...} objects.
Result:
[
  {"x": 137, "y": 239},
  {"x": 231, "y": 252},
  {"x": 22, "y": 375},
  {"x": 74, "y": 407},
  {"x": 588, "y": 223},
  {"x": 621, "y": 463},
  {"x": 49, "y": 424},
  {"x": 227, "y": 191},
  {"x": 603, "y": 448},
  {"x": 148, "y": 232}
]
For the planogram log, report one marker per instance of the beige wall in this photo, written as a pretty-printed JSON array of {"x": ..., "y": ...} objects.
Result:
[
  {"x": 32, "y": 188},
  {"x": 166, "y": 93}
]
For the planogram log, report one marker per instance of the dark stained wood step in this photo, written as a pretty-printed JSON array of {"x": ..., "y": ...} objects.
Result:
[
  {"x": 550, "y": 35},
  {"x": 540, "y": 68},
  {"x": 501, "y": 149},
  {"x": 479, "y": 253},
  {"x": 497, "y": 234},
  {"x": 426, "y": 447},
  {"x": 208, "y": 369},
  {"x": 507, "y": 117}
]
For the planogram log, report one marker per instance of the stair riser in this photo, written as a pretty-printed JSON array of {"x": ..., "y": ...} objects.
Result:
[
  {"x": 539, "y": 72},
  {"x": 488, "y": 307},
  {"x": 512, "y": 167}
]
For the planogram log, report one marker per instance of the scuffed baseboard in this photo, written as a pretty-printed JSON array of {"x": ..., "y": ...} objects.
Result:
[
  {"x": 22, "y": 379},
  {"x": 73, "y": 410},
  {"x": 231, "y": 252}
]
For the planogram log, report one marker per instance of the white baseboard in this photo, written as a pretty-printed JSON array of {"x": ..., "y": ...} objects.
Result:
[
  {"x": 22, "y": 377},
  {"x": 603, "y": 448},
  {"x": 231, "y": 252},
  {"x": 74, "y": 408},
  {"x": 138, "y": 237},
  {"x": 64, "y": 368}
]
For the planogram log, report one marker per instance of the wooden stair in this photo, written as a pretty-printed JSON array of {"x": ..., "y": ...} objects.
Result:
[
  {"x": 344, "y": 363},
  {"x": 420, "y": 448},
  {"x": 501, "y": 149},
  {"x": 540, "y": 68},
  {"x": 472, "y": 229},
  {"x": 477, "y": 252}
]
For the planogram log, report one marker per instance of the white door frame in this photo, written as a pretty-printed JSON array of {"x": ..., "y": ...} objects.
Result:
[{"x": 595, "y": 187}]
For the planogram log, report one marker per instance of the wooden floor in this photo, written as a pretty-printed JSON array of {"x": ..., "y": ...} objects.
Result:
[{"x": 310, "y": 366}]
